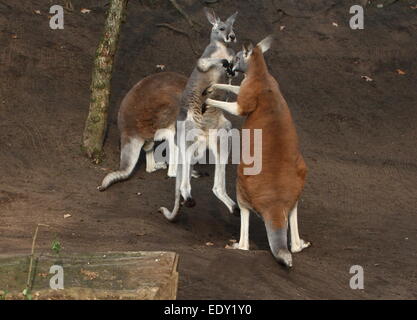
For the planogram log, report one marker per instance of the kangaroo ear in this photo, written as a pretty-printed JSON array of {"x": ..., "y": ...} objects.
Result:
[
  {"x": 266, "y": 43},
  {"x": 247, "y": 48},
  {"x": 231, "y": 19},
  {"x": 211, "y": 16}
]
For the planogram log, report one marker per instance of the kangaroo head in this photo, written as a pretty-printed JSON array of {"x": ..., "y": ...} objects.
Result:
[
  {"x": 221, "y": 31},
  {"x": 242, "y": 59}
]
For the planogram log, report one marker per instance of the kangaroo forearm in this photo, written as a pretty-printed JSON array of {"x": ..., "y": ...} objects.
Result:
[
  {"x": 227, "y": 87},
  {"x": 231, "y": 107},
  {"x": 205, "y": 64}
]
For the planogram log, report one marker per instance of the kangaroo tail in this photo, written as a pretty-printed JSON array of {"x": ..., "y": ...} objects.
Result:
[
  {"x": 277, "y": 237},
  {"x": 173, "y": 215},
  {"x": 113, "y": 177},
  {"x": 128, "y": 158}
]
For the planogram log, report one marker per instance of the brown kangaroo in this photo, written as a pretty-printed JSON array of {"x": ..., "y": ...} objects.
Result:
[
  {"x": 148, "y": 113},
  {"x": 274, "y": 192}
]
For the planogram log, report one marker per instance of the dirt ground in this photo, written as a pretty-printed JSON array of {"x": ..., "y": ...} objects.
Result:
[{"x": 358, "y": 139}]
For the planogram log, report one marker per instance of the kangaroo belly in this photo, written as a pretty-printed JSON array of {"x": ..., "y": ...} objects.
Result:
[
  {"x": 283, "y": 171},
  {"x": 152, "y": 104}
]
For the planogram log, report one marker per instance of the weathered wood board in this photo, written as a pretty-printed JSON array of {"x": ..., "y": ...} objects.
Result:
[{"x": 111, "y": 275}]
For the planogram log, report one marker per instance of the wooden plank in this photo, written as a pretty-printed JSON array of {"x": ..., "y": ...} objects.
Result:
[{"x": 110, "y": 275}]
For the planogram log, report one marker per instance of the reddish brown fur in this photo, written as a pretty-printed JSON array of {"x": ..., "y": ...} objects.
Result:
[
  {"x": 275, "y": 190},
  {"x": 152, "y": 104}
]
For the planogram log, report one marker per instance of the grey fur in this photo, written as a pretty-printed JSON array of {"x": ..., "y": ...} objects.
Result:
[
  {"x": 221, "y": 31},
  {"x": 208, "y": 71},
  {"x": 129, "y": 156},
  {"x": 278, "y": 242}
]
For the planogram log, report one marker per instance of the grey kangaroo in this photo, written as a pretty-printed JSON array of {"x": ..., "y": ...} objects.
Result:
[{"x": 209, "y": 70}]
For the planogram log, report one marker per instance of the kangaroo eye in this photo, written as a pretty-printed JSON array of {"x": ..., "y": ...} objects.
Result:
[{"x": 222, "y": 29}]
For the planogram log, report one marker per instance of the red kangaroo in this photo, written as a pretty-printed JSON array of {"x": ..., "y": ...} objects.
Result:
[
  {"x": 274, "y": 192},
  {"x": 148, "y": 113}
]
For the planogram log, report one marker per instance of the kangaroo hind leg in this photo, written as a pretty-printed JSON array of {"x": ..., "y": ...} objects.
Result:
[
  {"x": 151, "y": 165},
  {"x": 185, "y": 186},
  {"x": 243, "y": 243},
  {"x": 219, "y": 188},
  {"x": 173, "y": 153},
  {"x": 297, "y": 244}
]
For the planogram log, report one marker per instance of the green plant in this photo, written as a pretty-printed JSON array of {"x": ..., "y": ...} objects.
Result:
[
  {"x": 56, "y": 246},
  {"x": 27, "y": 294}
]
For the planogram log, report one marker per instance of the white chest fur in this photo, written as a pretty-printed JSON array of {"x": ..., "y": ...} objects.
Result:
[{"x": 221, "y": 52}]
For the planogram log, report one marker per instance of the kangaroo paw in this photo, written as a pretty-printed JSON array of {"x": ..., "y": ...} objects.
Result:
[
  {"x": 237, "y": 246},
  {"x": 189, "y": 203},
  {"x": 198, "y": 174},
  {"x": 300, "y": 246},
  {"x": 236, "y": 211}
]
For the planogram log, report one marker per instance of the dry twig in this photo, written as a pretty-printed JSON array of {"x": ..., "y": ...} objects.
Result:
[
  {"x": 32, "y": 254},
  {"x": 184, "y": 14},
  {"x": 180, "y": 31}
]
